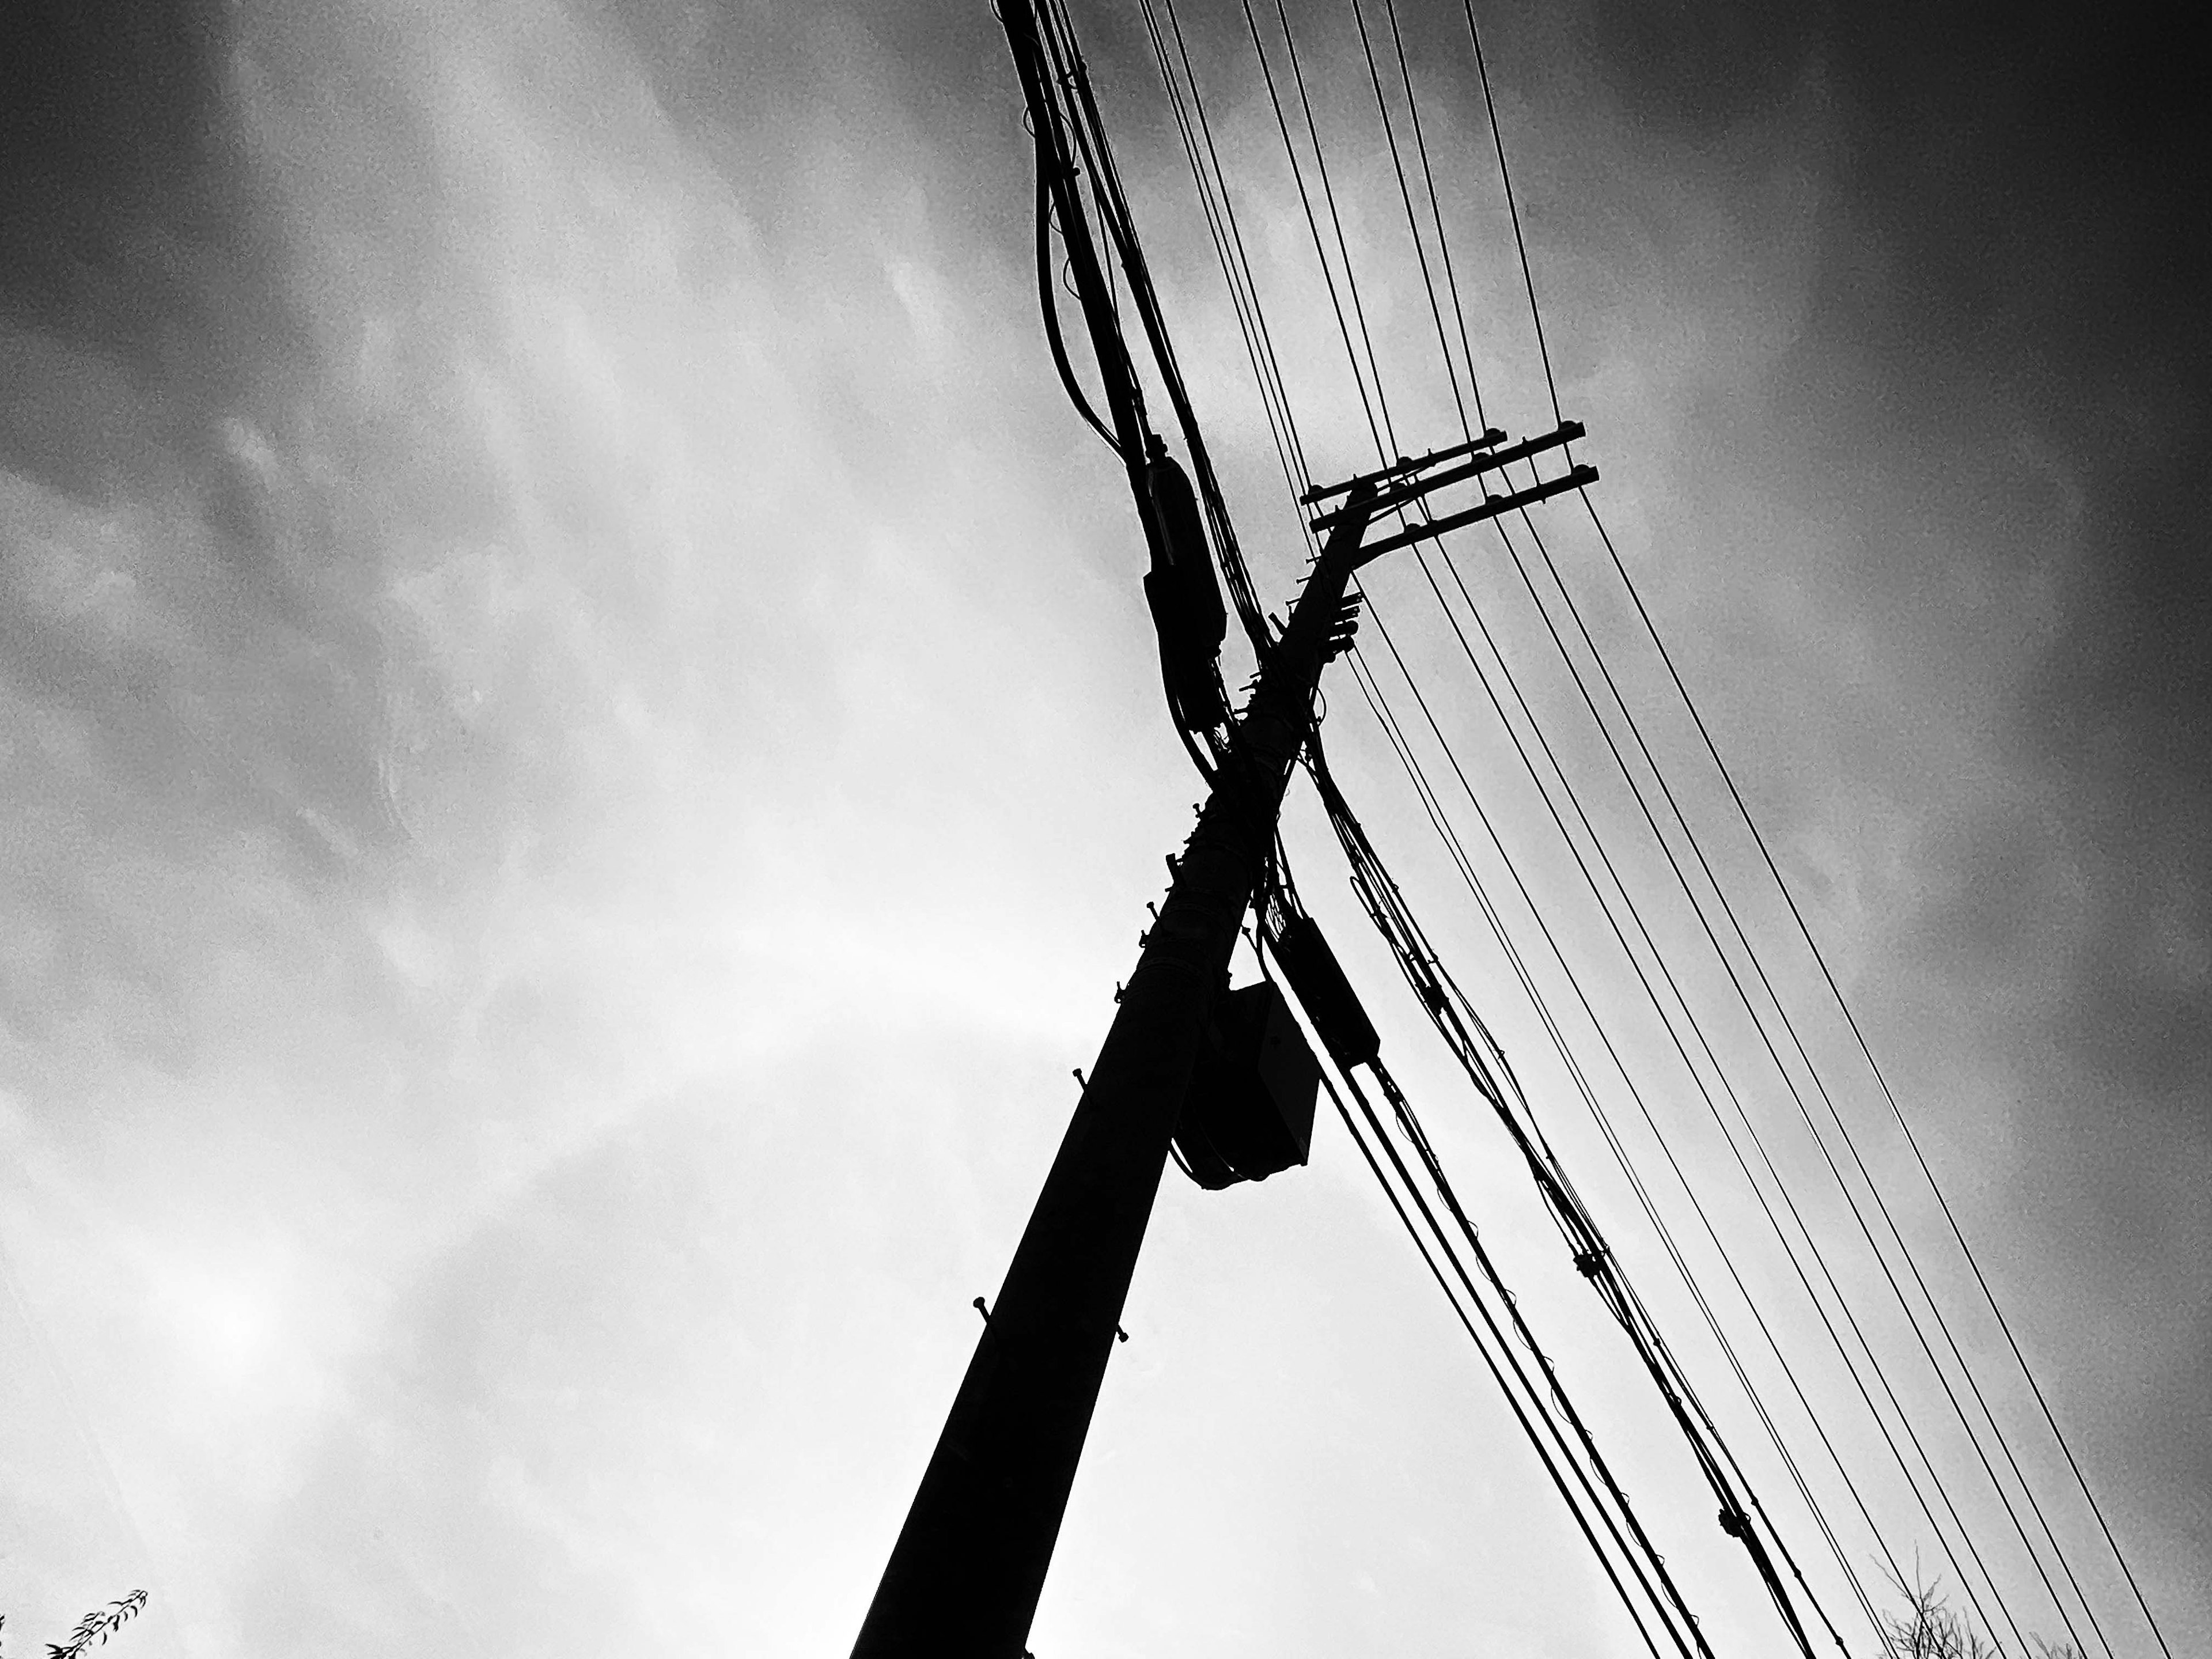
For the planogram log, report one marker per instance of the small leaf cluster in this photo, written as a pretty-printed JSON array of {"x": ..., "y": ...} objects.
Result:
[{"x": 95, "y": 1628}]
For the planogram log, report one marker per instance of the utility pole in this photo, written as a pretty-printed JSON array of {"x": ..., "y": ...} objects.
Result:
[{"x": 965, "y": 1578}]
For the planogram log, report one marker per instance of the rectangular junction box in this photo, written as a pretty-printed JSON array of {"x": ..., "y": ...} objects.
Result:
[{"x": 1250, "y": 1110}]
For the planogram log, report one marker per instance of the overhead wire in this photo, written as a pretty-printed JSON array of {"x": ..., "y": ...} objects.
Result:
[
  {"x": 1835, "y": 990},
  {"x": 1254, "y": 337},
  {"x": 1402, "y": 748},
  {"x": 1237, "y": 268},
  {"x": 1485, "y": 1063},
  {"x": 1851, "y": 1369},
  {"x": 1615, "y": 1143},
  {"x": 1973, "y": 1436},
  {"x": 1306, "y": 203},
  {"x": 1689, "y": 1020},
  {"x": 1528, "y": 1398},
  {"x": 1107, "y": 197},
  {"x": 1897, "y": 1113},
  {"x": 1230, "y": 271},
  {"x": 1497, "y": 1375},
  {"x": 1782, "y": 1068},
  {"x": 1412, "y": 110},
  {"x": 1239, "y": 282},
  {"x": 1051, "y": 309},
  {"x": 1378, "y": 414},
  {"x": 1283, "y": 898}
]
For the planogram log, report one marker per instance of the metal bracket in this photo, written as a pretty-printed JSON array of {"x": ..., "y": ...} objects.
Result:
[
  {"x": 1491, "y": 507},
  {"x": 1415, "y": 487}
]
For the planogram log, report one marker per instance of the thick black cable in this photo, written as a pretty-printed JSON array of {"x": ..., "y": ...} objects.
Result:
[
  {"x": 1051, "y": 308},
  {"x": 1513, "y": 1401},
  {"x": 1433, "y": 807},
  {"x": 1093, "y": 140},
  {"x": 1444, "y": 1285},
  {"x": 1592, "y": 1257},
  {"x": 1410, "y": 1126}
]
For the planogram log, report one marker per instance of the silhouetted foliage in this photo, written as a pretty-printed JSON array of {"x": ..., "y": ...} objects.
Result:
[
  {"x": 1930, "y": 1628},
  {"x": 93, "y": 1629}
]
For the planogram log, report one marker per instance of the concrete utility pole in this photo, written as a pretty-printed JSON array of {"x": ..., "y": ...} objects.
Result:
[{"x": 965, "y": 1578}]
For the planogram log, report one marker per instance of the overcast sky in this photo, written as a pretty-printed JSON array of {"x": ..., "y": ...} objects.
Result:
[{"x": 580, "y": 756}]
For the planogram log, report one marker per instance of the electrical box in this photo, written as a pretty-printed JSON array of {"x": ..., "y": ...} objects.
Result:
[
  {"x": 1324, "y": 993},
  {"x": 1250, "y": 1110}
]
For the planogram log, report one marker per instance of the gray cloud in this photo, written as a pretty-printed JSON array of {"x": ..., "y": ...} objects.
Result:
[{"x": 482, "y": 496}]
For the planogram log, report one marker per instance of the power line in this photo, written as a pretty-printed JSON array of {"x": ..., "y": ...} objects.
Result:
[
  {"x": 1498, "y": 1346},
  {"x": 1379, "y": 409},
  {"x": 1788, "y": 1081},
  {"x": 1859, "y": 1036},
  {"x": 1351, "y": 289},
  {"x": 1889, "y": 1097},
  {"x": 1401, "y": 747},
  {"x": 1697, "y": 1033}
]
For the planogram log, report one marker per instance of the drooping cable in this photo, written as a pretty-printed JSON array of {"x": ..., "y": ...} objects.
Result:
[
  {"x": 1092, "y": 136},
  {"x": 1050, "y": 307}
]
